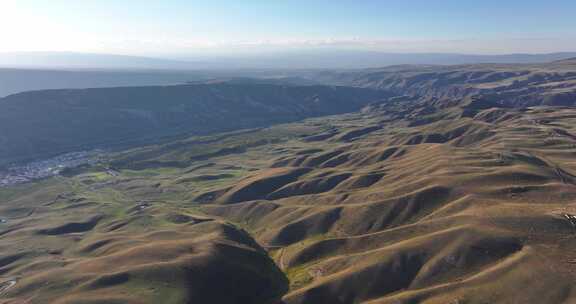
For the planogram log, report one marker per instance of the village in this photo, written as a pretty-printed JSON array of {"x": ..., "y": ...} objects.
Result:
[{"x": 19, "y": 174}]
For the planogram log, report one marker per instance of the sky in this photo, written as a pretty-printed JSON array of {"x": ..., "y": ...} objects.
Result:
[{"x": 179, "y": 27}]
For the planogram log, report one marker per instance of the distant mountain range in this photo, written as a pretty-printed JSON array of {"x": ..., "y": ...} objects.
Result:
[
  {"x": 65, "y": 60},
  {"x": 338, "y": 59},
  {"x": 309, "y": 59},
  {"x": 20, "y": 72},
  {"x": 21, "y": 80}
]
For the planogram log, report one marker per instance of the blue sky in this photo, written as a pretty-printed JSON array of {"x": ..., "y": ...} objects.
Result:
[{"x": 227, "y": 26}]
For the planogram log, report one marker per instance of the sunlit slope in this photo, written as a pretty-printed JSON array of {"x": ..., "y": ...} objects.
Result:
[
  {"x": 65, "y": 243},
  {"x": 408, "y": 201},
  {"x": 458, "y": 210}
]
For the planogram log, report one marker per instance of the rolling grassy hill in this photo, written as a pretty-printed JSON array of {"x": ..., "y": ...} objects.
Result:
[{"x": 413, "y": 199}]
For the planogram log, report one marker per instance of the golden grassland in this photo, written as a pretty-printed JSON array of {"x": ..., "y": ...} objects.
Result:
[{"x": 453, "y": 206}]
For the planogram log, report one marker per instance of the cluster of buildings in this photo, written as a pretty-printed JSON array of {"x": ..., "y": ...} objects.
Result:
[{"x": 47, "y": 168}]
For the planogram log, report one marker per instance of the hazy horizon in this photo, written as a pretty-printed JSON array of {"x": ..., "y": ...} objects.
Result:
[
  {"x": 179, "y": 29},
  {"x": 281, "y": 60}
]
